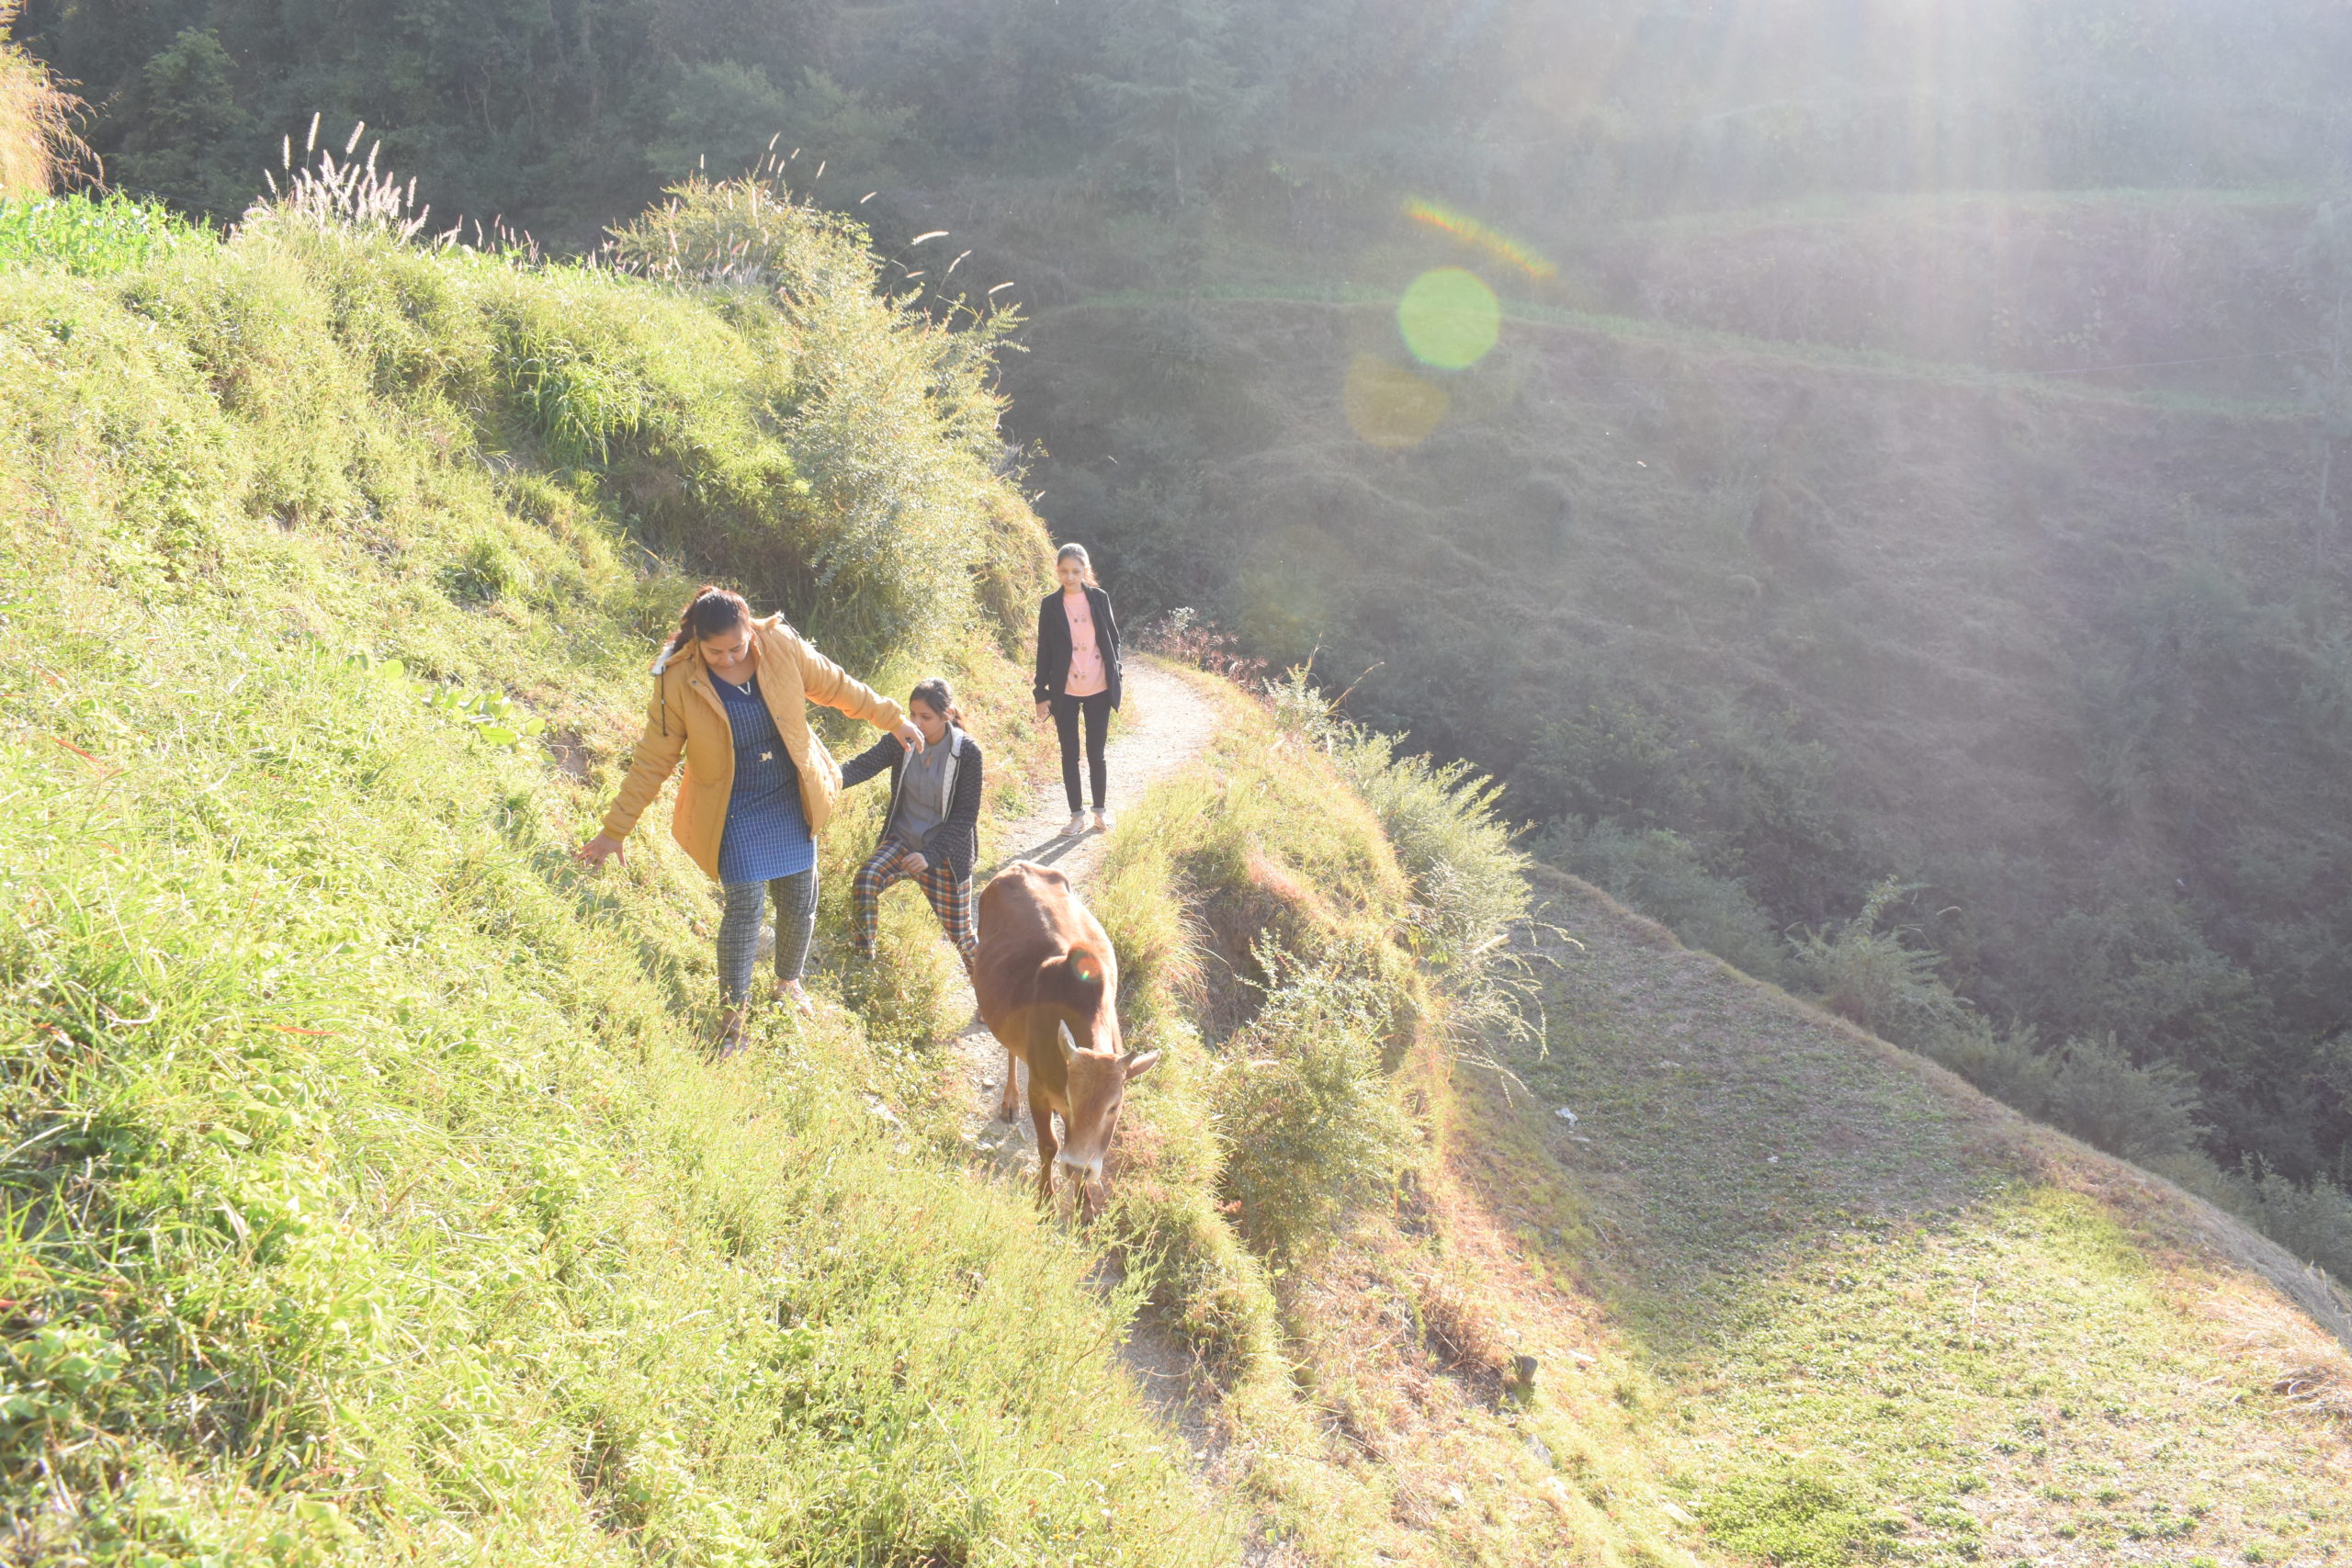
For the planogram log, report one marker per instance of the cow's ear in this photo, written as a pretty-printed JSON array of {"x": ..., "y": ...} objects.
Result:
[
  {"x": 1138, "y": 1065},
  {"x": 1069, "y": 1045}
]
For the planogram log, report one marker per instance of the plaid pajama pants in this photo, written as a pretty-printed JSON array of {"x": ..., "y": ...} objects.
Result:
[{"x": 950, "y": 900}]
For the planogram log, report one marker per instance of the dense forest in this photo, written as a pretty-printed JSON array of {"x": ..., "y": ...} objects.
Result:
[
  {"x": 1897, "y": 510},
  {"x": 564, "y": 117}
]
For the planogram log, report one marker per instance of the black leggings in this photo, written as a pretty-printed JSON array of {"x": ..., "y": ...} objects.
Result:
[{"x": 1097, "y": 709}]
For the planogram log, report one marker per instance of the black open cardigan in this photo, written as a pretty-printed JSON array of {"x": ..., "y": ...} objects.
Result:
[
  {"x": 1053, "y": 644},
  {"x": 955, "y": 842}
]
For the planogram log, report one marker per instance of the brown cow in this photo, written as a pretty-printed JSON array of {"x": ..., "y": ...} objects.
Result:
[{"x": 1048, "y": 989}]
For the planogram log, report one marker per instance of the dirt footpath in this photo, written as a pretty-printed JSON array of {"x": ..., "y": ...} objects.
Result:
[{"x": 1163, "y": 724}]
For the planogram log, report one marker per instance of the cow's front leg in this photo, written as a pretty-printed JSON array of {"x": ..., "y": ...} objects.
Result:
[
  {"x": 1008, "y": 1105},
  {"x": 1041, "y": 1117}
]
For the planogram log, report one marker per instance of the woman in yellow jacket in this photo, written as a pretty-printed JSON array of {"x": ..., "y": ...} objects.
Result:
[{"x": 730, "y": 693}]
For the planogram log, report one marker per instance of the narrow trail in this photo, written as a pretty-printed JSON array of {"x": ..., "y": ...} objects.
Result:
[{"x": 1163, "y": 724}]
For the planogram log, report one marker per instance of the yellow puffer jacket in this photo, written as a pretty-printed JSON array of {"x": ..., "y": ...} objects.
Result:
[{"x": 686, "y": 716}]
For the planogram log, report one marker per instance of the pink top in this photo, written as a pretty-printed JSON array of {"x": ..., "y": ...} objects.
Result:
[{"x": 1086, "y": 676}]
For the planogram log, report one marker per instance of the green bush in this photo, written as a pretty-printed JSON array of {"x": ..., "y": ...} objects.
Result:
[
  {"x": 2007, "y": 1064},
  {"x": 2313, "y": 1220},
  {"x": 1659, "y": 873},
  {"x": 1308, "y": 1120},
  {"x": 1866, "y": 972},
  {"x": 2103, "y": 1097},
  {"x": 881, "y": 496},
  {"x": 91, "y": 239}
]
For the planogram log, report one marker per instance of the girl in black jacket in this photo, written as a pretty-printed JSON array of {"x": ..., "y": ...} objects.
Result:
[
  {"x": 1077, "y": 676},
  {"x": 931, "y": 834}
]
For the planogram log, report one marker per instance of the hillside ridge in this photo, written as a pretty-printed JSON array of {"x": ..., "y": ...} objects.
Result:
[{"x": 1818, "y": 1301}]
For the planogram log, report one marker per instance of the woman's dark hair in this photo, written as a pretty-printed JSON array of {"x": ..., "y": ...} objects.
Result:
[
  {"x": 713, "y": 611},
  {"x": 938, "y": 696},
  {"x": 1085, "y": 563}
]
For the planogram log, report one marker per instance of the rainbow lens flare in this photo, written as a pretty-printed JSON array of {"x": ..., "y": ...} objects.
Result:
[
  {"x": 1450, "y": 318},
  {"x": 1478, "y": 236}
]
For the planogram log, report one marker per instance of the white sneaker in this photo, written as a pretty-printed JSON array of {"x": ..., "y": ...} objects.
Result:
[
  {"x": 1076, "y": 825},
  {"x": 1103, "y": 821},
  {"x": 794, "y": 996}
]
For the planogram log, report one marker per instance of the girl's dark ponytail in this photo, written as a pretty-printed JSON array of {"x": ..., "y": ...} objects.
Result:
[
  {"x": 938, "y": 696},
  {"x": 712, "y": 610}
]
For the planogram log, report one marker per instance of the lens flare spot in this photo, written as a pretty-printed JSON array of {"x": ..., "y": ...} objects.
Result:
[
  {"x": 1450, "y": 318},
  {"x": 1388, "y": 405},
  {"x": 1472, "y": 233}
]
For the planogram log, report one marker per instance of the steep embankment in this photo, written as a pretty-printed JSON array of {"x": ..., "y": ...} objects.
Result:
[
  {"x": 369, "y": 1196},
  {"x": 1833, "y": 1306}
]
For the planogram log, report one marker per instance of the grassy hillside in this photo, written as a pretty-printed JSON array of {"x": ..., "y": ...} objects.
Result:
[
  {"x": 369, "y": 1197},
  {"x": 1779, "y": 1293},
  {"x": 1848, "y": 1310},
  {"x": 1912, "y": 450},
  {"x": 2061, "y": 655}
]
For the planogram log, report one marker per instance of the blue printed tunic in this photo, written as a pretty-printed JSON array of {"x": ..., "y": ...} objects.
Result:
[{"x": 767, "y": 833}]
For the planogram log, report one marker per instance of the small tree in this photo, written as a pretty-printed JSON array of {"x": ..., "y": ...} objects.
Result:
[{"x": 1175, "y": 96}]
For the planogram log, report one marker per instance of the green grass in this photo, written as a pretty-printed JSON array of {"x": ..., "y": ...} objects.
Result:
[
  {"x": 367, "y": 1194},
  {"x": 90, "y": 239},
  {"x": 1851, "y": 1312}
]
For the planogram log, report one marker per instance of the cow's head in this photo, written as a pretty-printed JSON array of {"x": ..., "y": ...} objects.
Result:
[{"x": 1098, "y": 1088}]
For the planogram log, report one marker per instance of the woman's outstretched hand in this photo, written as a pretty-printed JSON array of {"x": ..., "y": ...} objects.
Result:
[
  {"x": 909, "y": 736},
  {"x": 599, "y": 850}
]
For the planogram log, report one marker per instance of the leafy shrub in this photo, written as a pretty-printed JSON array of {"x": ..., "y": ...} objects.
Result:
[
  {"x": 882, "y": 495},
  {"x": 2007, "y": 1064},
  {"x": 1310, "y": 1126},
  {"x": 90, "y": 239},
  {"x": 2312, "y": 1220},
  {"x": 1468, "y": 882},
  {"x": 2103, "y": 1097},
  {"x": 1866, "y": 972},
  {"x": 1183, "y": 634},
  {"x": 1658, "y": 872}
]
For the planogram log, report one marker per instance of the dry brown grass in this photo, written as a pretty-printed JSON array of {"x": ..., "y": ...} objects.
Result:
[
  {"x": 39, "y": 150},
  {"x": 2310, "y": 1371}
]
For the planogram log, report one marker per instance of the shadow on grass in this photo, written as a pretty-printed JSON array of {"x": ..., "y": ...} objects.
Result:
[{"x": 1721, "y": 1135}]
